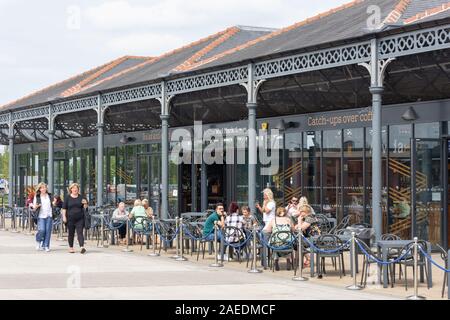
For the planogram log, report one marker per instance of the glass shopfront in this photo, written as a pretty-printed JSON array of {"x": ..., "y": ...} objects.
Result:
[{"x": 332, "y": 168}]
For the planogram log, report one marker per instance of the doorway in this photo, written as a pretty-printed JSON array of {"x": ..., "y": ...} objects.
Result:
[
  {"x": 430, "y": 186},
  {"x": 148, "y": 179},
  {"x": 217, "y": 190}
]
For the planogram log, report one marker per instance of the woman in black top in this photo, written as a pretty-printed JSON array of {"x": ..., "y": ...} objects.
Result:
[{"x": 73, "y": 215}]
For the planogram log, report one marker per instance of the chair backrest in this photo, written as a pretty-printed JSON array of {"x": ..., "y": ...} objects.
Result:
[
  {"x": 390, "y": 236},
  {"x": 342, "y": 232},
  {"x": 366, "y": 247},
  {"x": 141, "y": 224},
  {"x": 281, "y": 238},
  {"x": 323, "y": 222},
  {"x": 328, "y": 241},
  {"x": 443, "y": 253},
  {"x": 234, "y": 234}
]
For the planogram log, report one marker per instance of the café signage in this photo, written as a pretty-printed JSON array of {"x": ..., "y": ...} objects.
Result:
[{"x": 335, "y": 120}]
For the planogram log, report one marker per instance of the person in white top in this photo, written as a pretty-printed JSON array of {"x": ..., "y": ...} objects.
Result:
[
  {"x": 269, "y": 206},
  {"x": 292, "y": 207},
  {"x": 302, "y": 202},
  {"x": 42, "y": 203}
]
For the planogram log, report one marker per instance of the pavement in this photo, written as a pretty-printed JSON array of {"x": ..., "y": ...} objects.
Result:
[{"x": 110, "y": 273}]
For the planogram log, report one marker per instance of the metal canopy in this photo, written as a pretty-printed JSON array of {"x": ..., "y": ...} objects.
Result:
[{"x": 394, "y": 46}]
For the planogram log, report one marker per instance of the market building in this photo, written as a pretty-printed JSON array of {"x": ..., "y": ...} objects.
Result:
[{"x": 360, "y": 95}]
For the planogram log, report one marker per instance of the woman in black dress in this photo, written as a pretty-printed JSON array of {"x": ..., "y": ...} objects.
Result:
[{"x": 73, "y": 215}]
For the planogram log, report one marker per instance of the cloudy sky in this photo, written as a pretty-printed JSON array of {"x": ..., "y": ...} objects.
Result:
[{"x": 45, "y": 41}]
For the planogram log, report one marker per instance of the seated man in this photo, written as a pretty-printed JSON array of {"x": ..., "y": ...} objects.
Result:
[{"x": 218, "y": 215}]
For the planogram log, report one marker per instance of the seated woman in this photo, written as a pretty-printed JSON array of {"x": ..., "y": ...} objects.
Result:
[
  {"x": 137, "y": 212},
  {"x": 248, "y": 219},
  {"x": 308, "y": 223},
  {"x": 280, "y": 223},
  {"x": 148, "y": 209},
  {"x": 302, "y": 202},
  {"x": 118, "y": 218},
  {"x": 234, "y": 219}
]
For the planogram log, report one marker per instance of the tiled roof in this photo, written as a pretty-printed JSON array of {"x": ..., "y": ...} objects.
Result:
[
  {"x": 181, "y": 59},
  {"x": 69, "y": 86},
  {"x": 440, "y": 9},
  {"x": 239, "y": 44}
]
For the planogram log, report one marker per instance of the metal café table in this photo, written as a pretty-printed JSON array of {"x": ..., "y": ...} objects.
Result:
[
  {"x": 344, "y": 238},
  {"x": 384, "y": 246}
]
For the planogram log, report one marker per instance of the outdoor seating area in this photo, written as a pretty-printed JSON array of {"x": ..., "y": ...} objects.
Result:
[{"x": 331, "y": 254}]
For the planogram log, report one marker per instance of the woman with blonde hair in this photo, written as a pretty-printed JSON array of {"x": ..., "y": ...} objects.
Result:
[
  {"x": 308, "y": 224},
  {"x": 269, "y": 206},
  {"x": 302, "y": 203},
  {"x": 138, "y": 211},
  {"x": 73, "y": 215},
  {"x": 42, "y": 206}
]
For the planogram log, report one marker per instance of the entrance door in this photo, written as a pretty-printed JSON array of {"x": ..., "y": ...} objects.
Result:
[
  {"x": 427, "y": 190},
  {"x": 148, "y": 179}
]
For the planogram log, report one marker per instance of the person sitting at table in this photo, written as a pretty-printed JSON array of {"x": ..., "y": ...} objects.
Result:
[
  {"x": 403, "y": 208},
  {"x": 138, "y": 211},
  {"x": 249, "y": 219},
  {"x": 292, "y": 207},
  {"x": 118, "y": 218},
  {"x": 302, "y": 202},
  {"x": 234, "y": 219},
  {"x": 148, "y": 209},
  {"x": 308, "y": 223},
  {"x": 280, "y": 223},
  {"x": 219, "y": 216}
]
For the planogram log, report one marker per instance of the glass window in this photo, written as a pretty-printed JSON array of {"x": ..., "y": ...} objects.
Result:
[
  {"x": 312, "y": 143},
  {"x": 353, "y": 173},
  {"x": 427, "y": 130},
  {"x": 399, "y": 176},
  {"x": 332, "y": 151},
  {"x": 130, "y": 174},
  {"x": 293, "y": 167}
]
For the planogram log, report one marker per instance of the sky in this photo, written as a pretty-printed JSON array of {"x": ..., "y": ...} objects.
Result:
[{"x": 43, "y": 42}]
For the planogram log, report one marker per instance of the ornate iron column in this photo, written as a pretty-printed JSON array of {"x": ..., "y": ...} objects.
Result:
[
  {"x": 100, "y": 146},
  {"x": 376, "y": 68},
  {"x": 11, "y": 161},
  {"x": 51, "y": 138},
  {"x": 252, "y": 86},
  {"x": 165, "y": 112}
]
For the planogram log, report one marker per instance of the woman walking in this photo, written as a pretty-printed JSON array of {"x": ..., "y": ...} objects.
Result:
[
  {"x": 73, "y": 216},
  {"x": 42, "y": 206}
]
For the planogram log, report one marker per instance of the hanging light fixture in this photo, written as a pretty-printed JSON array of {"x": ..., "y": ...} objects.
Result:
[{"x": 410, "y": 115}]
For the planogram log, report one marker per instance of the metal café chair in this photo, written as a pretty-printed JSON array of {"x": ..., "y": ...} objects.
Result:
[
  {"x": 408, "y": 260},
  {"x": 141, "y": 226},
  {"x": 444, "y": 257},
  {"x": 329, "y": 242},
  {"x": 282, "y": 239},
  {"x": 236, "y": 237}
]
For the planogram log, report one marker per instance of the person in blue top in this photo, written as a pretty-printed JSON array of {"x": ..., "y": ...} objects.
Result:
[{"x": 218, "y": 215}]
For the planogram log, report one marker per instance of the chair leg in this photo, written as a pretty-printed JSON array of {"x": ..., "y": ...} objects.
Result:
[
  {"x": 340, "y": 267},
  {"x": 363, "y": 270},
  {"x": 426, "y": 275},
  {"x": 406, "y": 277},
  {"x": 443, "y": 285}
]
